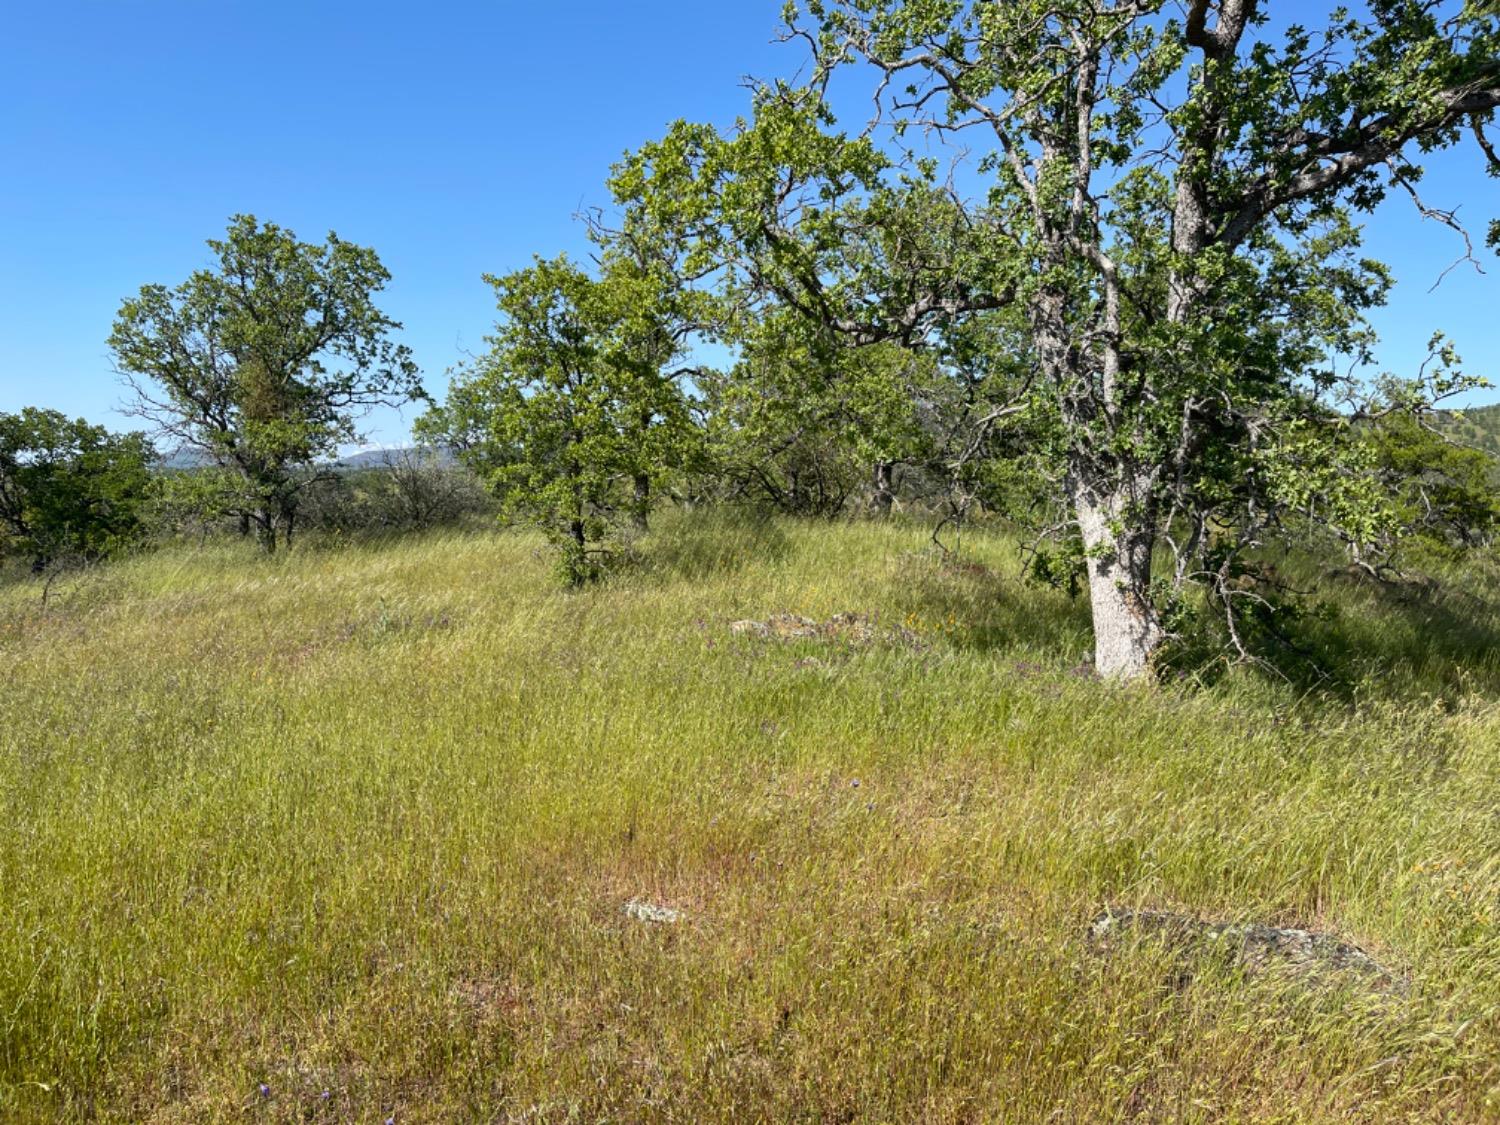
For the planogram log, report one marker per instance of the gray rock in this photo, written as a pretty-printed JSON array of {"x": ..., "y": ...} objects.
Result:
[
  {"x": 782, "y": 625},
  {"x": 649, "y": 912},
  {"x": 848, "y": 628},
  {"x": 1255, "y": 948}
]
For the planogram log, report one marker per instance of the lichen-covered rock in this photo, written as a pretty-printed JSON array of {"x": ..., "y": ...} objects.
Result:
[
  {"x": 781, "y": 626},
  {"x": 1253, "y": 947},
  {"x": 855, "y": 628},
  {"x": 650, "y": 912}
]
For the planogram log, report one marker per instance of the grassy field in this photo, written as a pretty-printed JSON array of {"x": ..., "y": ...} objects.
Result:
[{"x": 347, "y": 835}]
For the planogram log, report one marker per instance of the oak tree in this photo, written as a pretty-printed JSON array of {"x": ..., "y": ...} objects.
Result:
[
  {"x": 1168, "y": 199},
  {"x": 264, "y": 363},
  {"x": 571, "y": 415}
]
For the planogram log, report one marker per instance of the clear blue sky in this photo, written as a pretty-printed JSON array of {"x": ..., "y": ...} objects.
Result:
[{"x": 456, "y": 139}]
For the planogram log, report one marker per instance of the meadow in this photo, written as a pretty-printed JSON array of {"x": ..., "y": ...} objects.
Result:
[{"x": 348, "y": 834}]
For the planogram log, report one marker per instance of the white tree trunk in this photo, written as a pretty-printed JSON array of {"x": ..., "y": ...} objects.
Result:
[{"x": 1118, "y": 541}]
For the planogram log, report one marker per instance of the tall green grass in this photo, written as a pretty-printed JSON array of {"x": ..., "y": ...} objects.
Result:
[{"x": 346, "y": 836}]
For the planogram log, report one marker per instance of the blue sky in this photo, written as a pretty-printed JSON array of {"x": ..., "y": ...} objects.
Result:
[{"x": 456, "y": 139}]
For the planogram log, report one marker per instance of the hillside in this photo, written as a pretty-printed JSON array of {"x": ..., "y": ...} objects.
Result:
[
  {"x": 353, "y": 834},
  {"x": 1478, "y": 426}
]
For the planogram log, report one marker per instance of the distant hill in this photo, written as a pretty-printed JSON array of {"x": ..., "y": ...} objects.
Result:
[
  {"x": 181, "y": 460},
  {"x": 184, "y": 459},
  {"x": 385, "y": 458},
  {"x": 1478, "y": 427}
]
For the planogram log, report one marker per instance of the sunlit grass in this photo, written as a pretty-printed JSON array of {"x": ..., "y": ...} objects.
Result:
[{"x": 346, "y": 835}]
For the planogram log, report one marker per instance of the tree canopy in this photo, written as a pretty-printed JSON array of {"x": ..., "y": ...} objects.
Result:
[
  {"x": 575, "y": 412},
  {"x": 69, "y": 490}
]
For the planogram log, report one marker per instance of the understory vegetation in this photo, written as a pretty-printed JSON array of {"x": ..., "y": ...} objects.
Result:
[{"x": 347, "y": 834}]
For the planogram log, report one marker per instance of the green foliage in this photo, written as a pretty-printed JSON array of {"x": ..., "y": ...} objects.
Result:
[
  {"x": 1442, "y": 492},
  {"x": 265, "y": 363},
  {"x": 69, "y": 490},
  {"x": 801, "y": 422},
  {"x": 1476, "y": 427},
  {"x": 196, "y": 501},
  {"x": 573, "y": 416},
  {"x": 1060, "y": 565}
]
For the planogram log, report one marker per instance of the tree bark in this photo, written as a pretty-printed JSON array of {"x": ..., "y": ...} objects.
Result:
[
  {"x": 641, "y": 503},
  {"x": 1118, "y": 540},
  {"x": 265, "y": 526},
  {"x": 885, "y": 491}
]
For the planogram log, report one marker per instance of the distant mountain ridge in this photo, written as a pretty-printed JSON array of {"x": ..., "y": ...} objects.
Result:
[{"x": 385, "y": 458}]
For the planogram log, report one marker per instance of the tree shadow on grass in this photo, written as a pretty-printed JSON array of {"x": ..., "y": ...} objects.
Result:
[
  {"x": 696, "y": 546},
  {"x": 1356, "y": 640},
  {"x": 972, "y": 606},
  {"x": 1348, "y": 638},
  {"x": 1406, "y": 641}
]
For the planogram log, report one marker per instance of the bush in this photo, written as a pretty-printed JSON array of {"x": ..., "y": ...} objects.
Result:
[
  {"x": 414, "y": 490},
  {"x": 69, "y": 491}
]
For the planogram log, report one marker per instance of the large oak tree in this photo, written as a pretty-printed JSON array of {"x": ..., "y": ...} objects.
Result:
[{"x": 1165, "y": 197}]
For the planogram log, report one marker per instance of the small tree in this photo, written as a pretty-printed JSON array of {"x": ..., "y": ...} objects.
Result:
[
  {"x": 69, "y": 490},
  {"x": 659, "y": 316},
  {"x": 265, "y": 363},
  {"x": 570, "y": 415}
]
